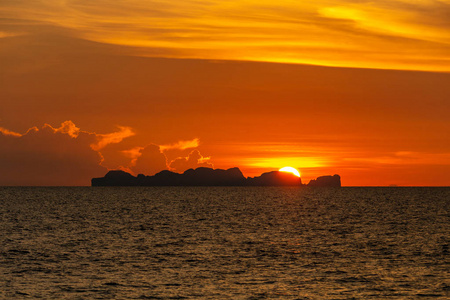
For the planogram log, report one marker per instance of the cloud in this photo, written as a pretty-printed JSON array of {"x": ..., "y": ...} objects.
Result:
[
  {"x": 391, "y": 20},
  {"x": 67, "y": 127},
  {"x": 49, "y": 156},
  {"x": 133, "y": 154},
  {"x": 181, "y": 145},
  {"x": 404, "y": 158},
  {"x": 7, "y": 132},
  {"x": 151, "y": 159},
  {"x": 67, "y": 155},
  {"x": 282, "y": 31},
  {"x": 112, "y": 138},
  {"x": 149, "y": 162},
  {"x": 133, "y": 159},
  {"x": 192, "y": 161}
]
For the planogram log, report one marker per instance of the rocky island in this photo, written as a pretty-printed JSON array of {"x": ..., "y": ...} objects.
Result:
[{"x": 211, "y": 177}]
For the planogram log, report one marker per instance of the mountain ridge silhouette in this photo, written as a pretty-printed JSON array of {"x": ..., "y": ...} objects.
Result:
[{"x": 211, "y": 177}]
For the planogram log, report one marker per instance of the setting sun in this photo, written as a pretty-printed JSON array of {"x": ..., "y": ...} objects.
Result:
[{"x": 290, "y": 170}]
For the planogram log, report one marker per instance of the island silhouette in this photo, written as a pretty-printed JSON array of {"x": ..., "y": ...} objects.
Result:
[{"x": 211, "y": 177}]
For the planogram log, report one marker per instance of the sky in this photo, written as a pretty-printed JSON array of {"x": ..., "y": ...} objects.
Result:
[{"x": 356, "y": 88}]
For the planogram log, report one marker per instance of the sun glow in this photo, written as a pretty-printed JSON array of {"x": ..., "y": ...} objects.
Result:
[{"x": 290, "y": 170}]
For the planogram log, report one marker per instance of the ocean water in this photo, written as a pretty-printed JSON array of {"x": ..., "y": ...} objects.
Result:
[{"x": 224, "y": 243}]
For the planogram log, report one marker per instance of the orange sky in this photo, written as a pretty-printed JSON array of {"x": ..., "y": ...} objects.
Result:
[{"x": 357, "y": 88}]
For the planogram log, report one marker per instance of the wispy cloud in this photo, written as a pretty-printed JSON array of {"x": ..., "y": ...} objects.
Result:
[
  {"x": 9, "y": 132},
  {"x": 403, "y": 158},
  {"x": 67, "y": 127},
  {"x": 112, "y": 138},
  {"x": 181, "y": 145},
  {"x": 396, "y": 34}
]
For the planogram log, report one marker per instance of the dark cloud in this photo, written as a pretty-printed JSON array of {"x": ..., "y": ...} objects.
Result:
[
  {"x": 150, "y": 161},
  {"x": 49, "y": 156},
  {"x": 193, "y": 161},
  {"x": 67, "y": 155}
]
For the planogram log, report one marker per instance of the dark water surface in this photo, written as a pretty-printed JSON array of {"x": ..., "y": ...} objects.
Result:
[{"x": 224, "y": 243}]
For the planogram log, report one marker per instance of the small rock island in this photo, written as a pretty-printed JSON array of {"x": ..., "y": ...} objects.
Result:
[{"x": 211, "y": 177}]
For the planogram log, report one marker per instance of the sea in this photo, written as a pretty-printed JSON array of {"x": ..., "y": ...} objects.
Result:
[{"x": 224, "y": 243}]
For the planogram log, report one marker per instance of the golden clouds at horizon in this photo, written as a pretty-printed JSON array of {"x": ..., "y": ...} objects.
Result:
[{"x": 384, "y": 34}]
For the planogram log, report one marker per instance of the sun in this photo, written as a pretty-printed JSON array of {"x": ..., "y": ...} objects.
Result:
[{"x": 290, "y": 170}]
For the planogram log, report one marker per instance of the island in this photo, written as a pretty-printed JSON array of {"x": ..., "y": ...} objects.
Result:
[{"x": 211, "y": 177}]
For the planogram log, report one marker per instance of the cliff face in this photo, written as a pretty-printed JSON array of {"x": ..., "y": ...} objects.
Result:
[
  {"x": 326, "y": 181},
  {"x": 275, "y": 178},
  {"x": 191, "y": 177},
  {"x": 115, "y": 178},
  {"x": 210, "y": 177}
]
